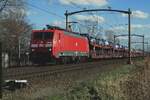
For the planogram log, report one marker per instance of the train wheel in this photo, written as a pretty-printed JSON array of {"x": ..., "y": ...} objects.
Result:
[
  {"x": 64, "y": 60},
  {"x": 83, "y": 59},
  {"x": 77, "y": 60}
]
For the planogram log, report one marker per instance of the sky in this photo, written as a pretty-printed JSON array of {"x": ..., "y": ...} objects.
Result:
[{"x": 43, "y": 12}]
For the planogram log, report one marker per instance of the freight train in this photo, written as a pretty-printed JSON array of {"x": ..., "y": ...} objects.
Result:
[{"x": 58, "y": 45}]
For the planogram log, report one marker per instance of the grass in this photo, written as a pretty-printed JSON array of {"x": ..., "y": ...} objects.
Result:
[
  {"x": 126, "y": 82},
  {"x": 106, "y": 86},
  {"x": 129, "y": 82}
]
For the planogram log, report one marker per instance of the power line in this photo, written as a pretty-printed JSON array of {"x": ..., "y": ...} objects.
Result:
[
  {"x": 73, "y": 6},
  {"x": 52, "y": 13},
  {"x": 78, "y": 7},
  {"x": 44, "y": 10}
]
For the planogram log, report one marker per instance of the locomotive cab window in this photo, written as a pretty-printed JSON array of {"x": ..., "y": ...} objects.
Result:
[
  {"x": 43, "y": 35},
  {"x": 48, "y": 35},
  {"x": 38, "y": 35}
]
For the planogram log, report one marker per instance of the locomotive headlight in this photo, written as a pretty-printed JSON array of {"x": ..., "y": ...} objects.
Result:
[
  {"x": 50, "y": 49},
  {"x": 33, "y": 50}
]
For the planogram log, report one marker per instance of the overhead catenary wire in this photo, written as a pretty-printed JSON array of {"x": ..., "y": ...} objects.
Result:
[
  {"x": 74, "y": 5},
  {"x": 44, "y": 10},
  {"x": 51, "y": 13},
  {"x": 77, "y": 6},
  {"x": 64, "y": 6}
]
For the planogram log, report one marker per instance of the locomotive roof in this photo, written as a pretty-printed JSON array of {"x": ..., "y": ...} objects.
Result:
[
  {"x": 65, "y": 31},
  {"x": 53, "y": 28}
]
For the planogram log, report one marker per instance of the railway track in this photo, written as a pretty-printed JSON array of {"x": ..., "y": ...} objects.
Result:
[{"x": 29, "y": 73}]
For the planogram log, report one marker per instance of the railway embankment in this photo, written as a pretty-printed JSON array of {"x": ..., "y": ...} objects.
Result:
[
  {"x": 129, "y": 82},
  {"x": 109, "y": 82}
]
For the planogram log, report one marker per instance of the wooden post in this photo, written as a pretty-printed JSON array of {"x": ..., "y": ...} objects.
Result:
[{"x": 1, "y": 71}]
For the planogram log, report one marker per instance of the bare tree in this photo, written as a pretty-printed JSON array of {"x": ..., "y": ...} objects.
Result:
[
  {"x": 15, "y": 30},
  {"x": 3, "y": 4}
]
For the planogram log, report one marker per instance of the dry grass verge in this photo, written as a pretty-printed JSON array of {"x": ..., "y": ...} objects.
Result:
[
  {"x": 130, "y": 82},
  {"x": 120, "y": 82}
]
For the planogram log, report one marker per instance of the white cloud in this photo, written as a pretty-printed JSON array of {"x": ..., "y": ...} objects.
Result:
[
  {"x": 28, "y": 13},
  {"x": 118, "y": 28},
  {"x": 85, "y": 2},
  {"x": 133, "y": 27},
  {"x": 123, "y": 38},
  {"x": 58, "y": 23},
  {"x": 49, "y": 1},
  {"x": 92, "y": 18},
  {"x": 138, "y": 14},
  {"x": 137, "y": 26}
]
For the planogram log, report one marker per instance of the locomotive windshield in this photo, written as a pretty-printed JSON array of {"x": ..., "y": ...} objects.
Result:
[{"x": 42, "y": 35}]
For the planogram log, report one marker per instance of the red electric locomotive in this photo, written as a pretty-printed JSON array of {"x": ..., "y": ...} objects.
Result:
[{"x": 57, "y": 45}]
